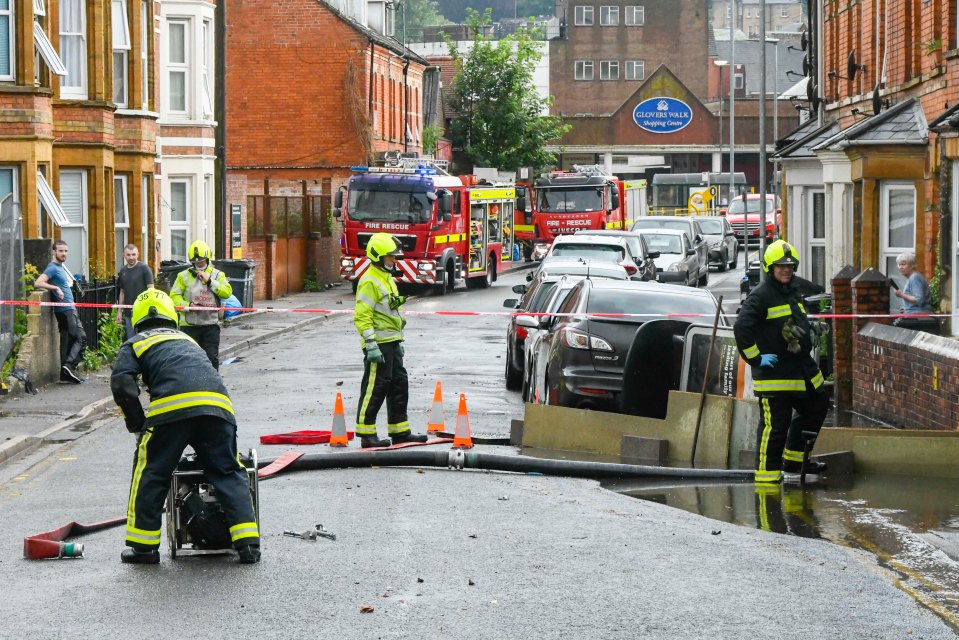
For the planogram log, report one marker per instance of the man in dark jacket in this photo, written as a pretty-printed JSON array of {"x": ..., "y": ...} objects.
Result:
[
  {"x": 188, "y": 406},
  {"x": 773, "y": 336}
]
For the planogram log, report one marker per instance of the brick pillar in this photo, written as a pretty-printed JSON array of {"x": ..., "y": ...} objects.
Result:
[
  {"x": 870, "y": 295},
  {"x": 270, "y": 251},
  {"x": 842, "y": 335}
]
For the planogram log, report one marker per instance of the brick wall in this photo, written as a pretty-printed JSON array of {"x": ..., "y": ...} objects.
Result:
[{"x": 906, "y": 378}]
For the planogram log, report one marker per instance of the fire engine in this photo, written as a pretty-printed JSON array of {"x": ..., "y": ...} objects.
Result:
[
  {"x": 450, "y": 228},
  {"x": 563, "y": 202}
]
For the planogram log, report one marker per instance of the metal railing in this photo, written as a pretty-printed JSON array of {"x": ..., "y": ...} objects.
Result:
[{"x": 96, "y": 292}]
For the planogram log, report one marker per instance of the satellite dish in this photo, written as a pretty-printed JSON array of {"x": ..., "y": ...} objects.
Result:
[
  {"x": 851, "y": 66},
  {"x": 805, "y": 66},
  {"x": 812, "y": 90},
  {"x": 804, "y": 41},
  {"x": 876, "y": 101}
]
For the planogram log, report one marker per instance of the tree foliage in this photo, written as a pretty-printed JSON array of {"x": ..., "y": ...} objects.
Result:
[
  {"x": 501, "y": 122},
  {"x": 413, "y": 15}
]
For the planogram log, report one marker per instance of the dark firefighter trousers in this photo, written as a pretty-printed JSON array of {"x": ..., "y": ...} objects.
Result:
[
  {"x": 208, "y": 337},
  {"x": 158, "y": 454},
  {"x": 782, "y": 419},
  {"x": 384, "y": 381}
]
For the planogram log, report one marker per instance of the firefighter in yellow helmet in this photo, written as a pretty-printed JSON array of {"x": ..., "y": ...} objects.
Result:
[
  {"x": 189, "y": 405},
  {"x": 773, "y": 336},
  {"x": 378, "y": 319},
  {"x": 201, "y": 286}
]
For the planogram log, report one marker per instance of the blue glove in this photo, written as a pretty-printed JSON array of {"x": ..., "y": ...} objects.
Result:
[
  {"x": 373, "y": 353},
  {"x": 768, "y": 360}
]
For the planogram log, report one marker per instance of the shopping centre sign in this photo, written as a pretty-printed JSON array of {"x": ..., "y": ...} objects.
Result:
[{"x": 662, "y": 115}]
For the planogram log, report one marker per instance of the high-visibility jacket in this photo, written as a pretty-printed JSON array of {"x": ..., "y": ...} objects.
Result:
[
  {"x": 182, "y": 382},
  {"x": 758, "y": 331},
  {"x": 373, "y": 317},
  {"x": 189, "y": 291}
]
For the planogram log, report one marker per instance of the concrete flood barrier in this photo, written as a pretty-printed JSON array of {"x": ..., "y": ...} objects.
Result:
[{"x": 727, "y": 438}]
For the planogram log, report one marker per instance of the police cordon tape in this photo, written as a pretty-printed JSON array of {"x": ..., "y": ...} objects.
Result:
[{"x": 817, "y": 316}]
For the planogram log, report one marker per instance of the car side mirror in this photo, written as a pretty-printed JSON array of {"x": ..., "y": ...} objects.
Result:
[
  {"x": 338, "y": 199},
  {"x": 614, "y": 200},
  {"x": 722, "y": 212},
  {"x": 446, "y": 204},
  {"x": 699, "y": 239},
  {"x": 337, "y": 213},
  {"x": 521, "y": 203},
  {"x": 519, "y": 288},
  {"x": 511, "y": 303},
  {"x": 528, "y": 322},
  {"x": 447, "y": 217},
  {"x": 653, "y": 255},
  {"x": 529, "y": 277},
  {"x": 690, "y": 252}
]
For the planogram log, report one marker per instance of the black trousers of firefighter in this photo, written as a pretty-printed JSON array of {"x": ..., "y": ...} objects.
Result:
[
  {"x": 384, "y": 381},
  {"x": 208, "y": 337},
  {"x": 158, "y": 453},
  {"x": 782, "y": 419}
]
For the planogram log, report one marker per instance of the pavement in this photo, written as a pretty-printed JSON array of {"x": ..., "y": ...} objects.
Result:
[{"x": 27, "y": 420}]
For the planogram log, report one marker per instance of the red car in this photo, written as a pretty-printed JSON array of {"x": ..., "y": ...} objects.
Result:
[{"x": 749, "y": 209}]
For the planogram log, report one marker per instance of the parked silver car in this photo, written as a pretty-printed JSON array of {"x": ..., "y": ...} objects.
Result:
[
  {"x": 693, "y": 231},
  {"x": 677, "y": 262},
  {"x": 722, "y": 247}
]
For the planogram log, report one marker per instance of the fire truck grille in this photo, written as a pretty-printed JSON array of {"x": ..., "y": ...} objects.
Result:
[{"x": 407, "y": 243}]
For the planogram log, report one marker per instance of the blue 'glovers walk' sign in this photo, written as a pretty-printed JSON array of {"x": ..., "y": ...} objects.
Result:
[{"x": 662, "y": 115}]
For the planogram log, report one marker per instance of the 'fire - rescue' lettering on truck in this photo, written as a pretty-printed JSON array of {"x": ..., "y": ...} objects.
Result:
[{"x": 448, "y": 227}]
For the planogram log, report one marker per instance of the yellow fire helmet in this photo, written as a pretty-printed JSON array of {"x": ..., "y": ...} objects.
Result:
[
  {"x": 154, "y": 304},
  {"x": 780, "y": 252},
  {"x": 382, "y": 244},
  {"x": 199, "y": 250}
]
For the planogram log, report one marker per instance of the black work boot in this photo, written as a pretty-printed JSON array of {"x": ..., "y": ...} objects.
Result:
[
  {"x": 133, "y": 556},
  {"x": 249, "y": 553},
  {"x": 369, "y": 442},
  {"x": 792, "y": 472},
  {"x": 407, "y": 436}
]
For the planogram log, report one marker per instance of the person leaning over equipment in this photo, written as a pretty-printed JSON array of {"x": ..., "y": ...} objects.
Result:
[
  {"x": 377, "y": 318},
  {"x": 189, "y": 405},
  {"x": 201, "y": 286},
  {"x": 773, "y": 336}
]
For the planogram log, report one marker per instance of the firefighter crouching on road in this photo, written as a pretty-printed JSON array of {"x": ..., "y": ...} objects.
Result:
[
  {"x": 188, "y": 406},
  {"x": 201, "y": 286},
  {"x": 773, "y": 336},
  {"x": 377, "y": 318}
]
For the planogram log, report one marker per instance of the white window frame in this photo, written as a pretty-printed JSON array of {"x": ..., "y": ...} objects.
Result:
[
  {"x": 783, "y": 11},
  {"x": 729, "y": 11},
  {"x": 76, "y": 91},
  {"x": 14, "y": 180},
  {"x": 608, "y": 15},
  {"x": 635, "y": 15},
  {"x": 813, "y": 242},
  {"x": 180, "y": 68},
  {"x": 45, "y": 48},
  {"x": 749, "y": 13},
  {"x": 634, "y": 65},
  {"x": 583, "y": 15},
  {"x": 181, "y": 226},
  {"x": 206, "y": 63},
  {"x": 121, "y": 43},
  {"x": 77, "y": 260},
  {"x": 8, "y": 13},
  {"x": 886, "y": 250},
  {"x": 121, "y": 228},
  {"x": 39, "y": 8},
  {"x": 738, "y": 81},
  {"x": 145, "y": 40},
  {"x": 609, "y": 69},
  {"x": 208, "y": 202},
  {"x": 583, "y": 70},
  {"x": 145, "y": 210}
]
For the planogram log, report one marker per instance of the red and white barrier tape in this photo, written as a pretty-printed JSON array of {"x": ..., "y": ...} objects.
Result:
[{"x": 817, "y": 316}]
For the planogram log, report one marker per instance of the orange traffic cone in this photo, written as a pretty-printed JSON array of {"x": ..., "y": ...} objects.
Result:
[
  {"x": 437, "y": 417},
  {"x": 338, "y": 437},
  {"x": 536, "y": 401},
  {"x": 462, "y": 438}
]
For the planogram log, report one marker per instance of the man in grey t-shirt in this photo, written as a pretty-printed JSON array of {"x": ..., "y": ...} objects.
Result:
[{"x": 133, "y": 279}]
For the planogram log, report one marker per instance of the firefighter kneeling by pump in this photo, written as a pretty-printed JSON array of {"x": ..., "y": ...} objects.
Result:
[{"x": 189, "y": 405}]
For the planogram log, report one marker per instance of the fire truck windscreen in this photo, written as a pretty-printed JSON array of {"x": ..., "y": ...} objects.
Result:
[
  {"x": 377, "y": 205},
  {"x": 570, "y": 199}
]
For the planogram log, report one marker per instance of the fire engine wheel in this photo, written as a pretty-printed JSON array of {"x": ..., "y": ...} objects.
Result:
[{"x": 441, "y": 288}]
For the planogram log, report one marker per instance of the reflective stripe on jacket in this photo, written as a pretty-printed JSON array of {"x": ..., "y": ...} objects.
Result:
[
  {"x": 373, "y": 317},
  {"x": 189, "y": 291},
  {"x": 758, "y": 331},
  {"x": 182, "y": 382}
]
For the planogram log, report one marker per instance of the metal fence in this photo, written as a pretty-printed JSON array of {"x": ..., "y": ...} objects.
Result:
[
  {"x": 11, "y": 266},
  {"x": 96, "y": 292}
]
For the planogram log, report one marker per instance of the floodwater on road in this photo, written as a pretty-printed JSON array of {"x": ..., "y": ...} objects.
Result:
[{"x": 910, "y": 524}]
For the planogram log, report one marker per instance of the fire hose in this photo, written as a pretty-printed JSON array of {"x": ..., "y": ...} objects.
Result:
[{"x": 51, "y": 544}]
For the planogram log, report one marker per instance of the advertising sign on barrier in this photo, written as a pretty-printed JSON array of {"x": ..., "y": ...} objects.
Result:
[{"x": 729, "y": 374}]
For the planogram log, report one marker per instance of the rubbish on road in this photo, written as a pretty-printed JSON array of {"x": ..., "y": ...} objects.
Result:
[
  {"x": 323, "y": 533},
  {"x": 367, "y": 608},
  {"x": 503, "y": 498},
  {"x": 462, "y": 439},
  {"x": 302, "y": 437},
  {"x": 339, "y": 437},
  {"x": 437, "y": 420},
  {"x": 309, "y": 534},
  {"x": 51, "y": 544},
  {"x": 471, "y": 583}
]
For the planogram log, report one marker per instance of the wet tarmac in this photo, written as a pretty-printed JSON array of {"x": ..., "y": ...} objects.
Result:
[{"x": 910, "y": 524}]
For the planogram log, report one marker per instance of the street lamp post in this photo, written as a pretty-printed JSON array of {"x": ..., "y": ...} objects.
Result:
[
  {"x": 732, "y": 117},
  {"x": 762, "y": 130},
  {"x": 721, "y": 64}
]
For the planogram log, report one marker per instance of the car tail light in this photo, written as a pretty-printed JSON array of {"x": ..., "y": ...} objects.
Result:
[
  {"x": 521, "y": 333},
  {"x": 630, "y": 268},
  {"x": 593, "y": 391},
  {"x": 580, "y": 340}
]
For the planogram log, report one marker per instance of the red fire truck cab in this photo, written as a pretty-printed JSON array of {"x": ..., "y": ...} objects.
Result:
[{"x": 449, "y": 227}]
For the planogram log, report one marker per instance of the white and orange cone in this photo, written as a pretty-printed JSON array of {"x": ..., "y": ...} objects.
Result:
[
  {"x": 338, "y": 437},
  {"x": 437, "y": 416},
  {"x": 462, "y": 438}
]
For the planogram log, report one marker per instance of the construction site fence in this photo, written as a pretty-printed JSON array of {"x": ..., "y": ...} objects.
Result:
[{"x": 11, "y": 267}]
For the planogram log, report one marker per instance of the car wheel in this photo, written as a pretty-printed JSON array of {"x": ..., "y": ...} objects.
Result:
[
  {"x": 514, "y": 375},
  {"x": 724, "y": 260},
  {"x": 735, "y": 261},
  {"x": 446, "y": 282}
]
